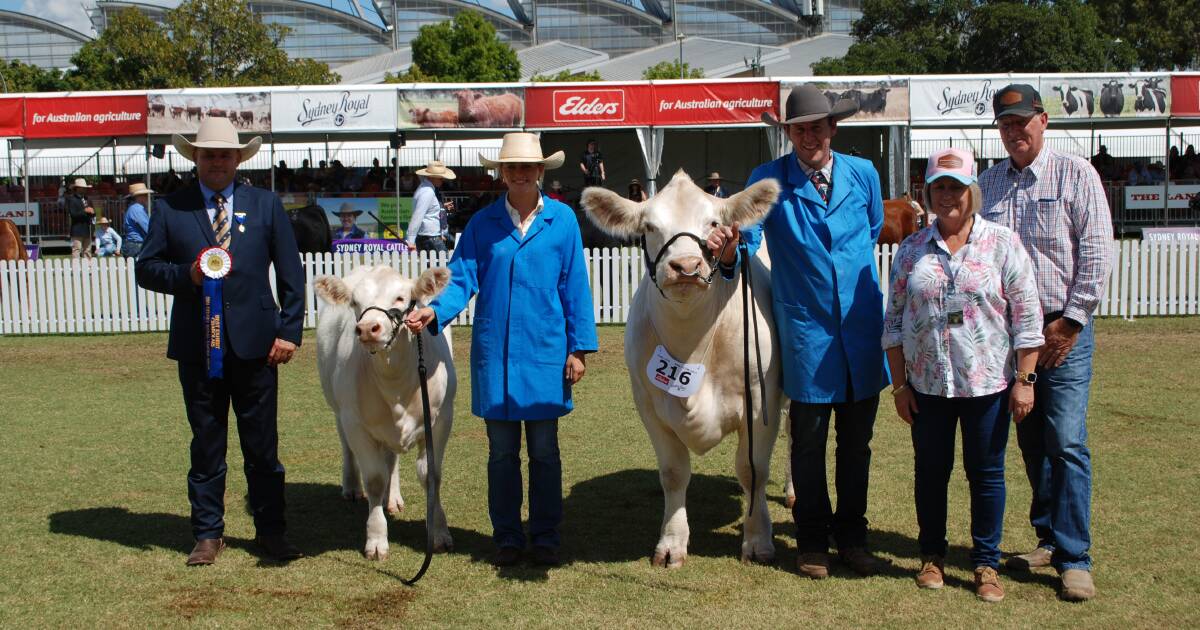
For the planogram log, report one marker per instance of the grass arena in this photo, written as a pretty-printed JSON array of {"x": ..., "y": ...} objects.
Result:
[{"x": 95, "y": 525}]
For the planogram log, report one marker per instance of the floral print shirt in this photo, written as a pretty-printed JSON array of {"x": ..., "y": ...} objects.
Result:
[{"x": 971, "y": 354}]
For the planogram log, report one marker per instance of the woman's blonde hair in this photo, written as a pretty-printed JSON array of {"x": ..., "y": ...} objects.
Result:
[{"x": 973, "y": 190}]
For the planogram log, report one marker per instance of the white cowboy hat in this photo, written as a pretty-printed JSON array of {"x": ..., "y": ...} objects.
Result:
[
  {"x": 80, "y": 183},
  {"x": 523, "y": 148},
  {"x": 103, "y": 221},
  {"x": 216, "y": 133},
  {"x": 436, "y": 169},
  {"x": 138, "y": 188}
]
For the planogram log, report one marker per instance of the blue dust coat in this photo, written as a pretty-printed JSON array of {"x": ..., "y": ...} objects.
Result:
[
  {"x": 828, "y": 304},
  {"x": 534, "y": 307}
]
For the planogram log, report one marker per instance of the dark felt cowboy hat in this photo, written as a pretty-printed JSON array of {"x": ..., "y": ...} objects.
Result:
[{"x": 806, "y": 103}]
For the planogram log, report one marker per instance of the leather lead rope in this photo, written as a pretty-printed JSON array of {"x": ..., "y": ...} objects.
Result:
[{"x": 750, "y": 312}]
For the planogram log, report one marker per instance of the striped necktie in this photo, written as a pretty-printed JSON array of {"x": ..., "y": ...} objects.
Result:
[
  {"x": 821, "y": 184},
  {"x": 221, "y": 221}
]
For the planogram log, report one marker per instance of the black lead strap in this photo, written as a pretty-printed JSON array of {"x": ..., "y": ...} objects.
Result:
[{"x": 750, "y": 312}]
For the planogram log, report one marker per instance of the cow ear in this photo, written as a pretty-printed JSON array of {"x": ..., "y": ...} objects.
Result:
[
  {"x": 751, "y": 205},
  {"x": 332, "y": 290},
  {"x": 612, "y": 212},
  {"x": 431, "y": 284}
]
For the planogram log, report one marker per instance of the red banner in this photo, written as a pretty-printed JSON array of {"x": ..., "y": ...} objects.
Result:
[
  {"x": 85, "y": 116},
  {"x": 11, "y": 116},
  {"x": 589, "y": 106},
  {"x": 1185, "y": 95},
  {"x": 714, "y": 103}
]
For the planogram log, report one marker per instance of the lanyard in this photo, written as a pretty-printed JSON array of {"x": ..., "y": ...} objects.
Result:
[{"x": 952, "y": 276}]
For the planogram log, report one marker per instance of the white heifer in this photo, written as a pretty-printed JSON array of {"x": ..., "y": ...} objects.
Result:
[
  {"x": 696, "y": 322},
  {"x": 368, "y": 368}
]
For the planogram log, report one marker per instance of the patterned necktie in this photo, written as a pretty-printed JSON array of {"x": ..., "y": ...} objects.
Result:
[
  {"x": 220, "y": 221},
  {"x": 821, "y": 184}
]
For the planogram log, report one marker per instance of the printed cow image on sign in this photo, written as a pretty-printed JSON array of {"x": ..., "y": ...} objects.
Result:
[
  {"x": 879, "y": 100},
  {"x": 493, "y": 108},
  {"x": 1117, "y": 96},
  {"x": 181, "y": 112}
]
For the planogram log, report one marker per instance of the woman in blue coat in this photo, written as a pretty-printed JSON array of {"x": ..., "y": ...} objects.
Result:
[{"x": 523, "y": 257}]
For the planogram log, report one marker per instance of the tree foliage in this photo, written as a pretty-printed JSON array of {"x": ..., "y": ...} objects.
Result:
[
  {"x": 23, "y": 77},
  {"x": 464, "y": 49},
  {"x": 133, "y": 52},
  {"x": 964, "y": 36},
  {"x": 1154, "y": 34},
  {"x": 565, "y": 76},
  {"x": 670, "y": 70}
]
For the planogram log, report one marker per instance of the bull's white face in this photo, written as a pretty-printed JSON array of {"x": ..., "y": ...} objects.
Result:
[
  {"x": 680, "y": 207},
  {"x": 384, "y": 288}
]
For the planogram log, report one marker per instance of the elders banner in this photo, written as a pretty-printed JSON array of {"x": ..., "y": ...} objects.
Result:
[
  {"x": 341, "y": 110},
  {"x": 1185, "y": 95},
  {"x": 679, "y": 104},
  {"x": 85, "y": 116},
  {"x": 12, "y": 114}
]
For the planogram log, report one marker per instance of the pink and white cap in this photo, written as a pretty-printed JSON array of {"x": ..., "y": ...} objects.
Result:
[{"x": 956, "y": 163}]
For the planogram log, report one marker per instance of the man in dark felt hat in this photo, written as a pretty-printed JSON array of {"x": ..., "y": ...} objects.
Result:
[
  {"x": 827, "y": 306},
  {"x": 1057, "y": 204}
]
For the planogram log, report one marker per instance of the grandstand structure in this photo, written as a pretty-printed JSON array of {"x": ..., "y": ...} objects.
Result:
[{"x": 365, "y": 39}]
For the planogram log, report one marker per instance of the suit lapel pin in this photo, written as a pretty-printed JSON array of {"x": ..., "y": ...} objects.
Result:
[{"x": 240, "y": 219}]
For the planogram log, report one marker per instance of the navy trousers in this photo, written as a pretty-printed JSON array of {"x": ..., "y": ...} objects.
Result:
[
  {"x": 252, "y": 387},
  {"x": 504, "y": 482}
]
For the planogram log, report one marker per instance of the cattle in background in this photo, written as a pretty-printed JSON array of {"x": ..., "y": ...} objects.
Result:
[
  {"x": 901, "y": 217},
  {"x": 195, "y": 112},
  {"x": 873, "y": 102},
  {"x": 246, "y": 119},
  {"x": 1077, "y": 102},
  {"x": 502, "y": 110},
  {"x": 1148, "y": 96},
  {"x": 11, "y": 245},
  {"x": 368, "y": 369},
  {"x": 158, "y": 110},
  {"x": 697, "y": 323},
  {"x": 217, "y": 113},
  {"x": 1112, "y": 99},
  {"x": 430, "y": 118},
  {"x": 311, "y": 226},
  {"x": 177, "y": 112}
]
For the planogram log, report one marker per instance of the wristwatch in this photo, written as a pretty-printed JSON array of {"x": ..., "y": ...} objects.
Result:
[{"x": 1029, "y": 378}]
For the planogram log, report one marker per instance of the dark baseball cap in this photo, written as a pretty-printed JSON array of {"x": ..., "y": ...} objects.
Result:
[{"x": 1017, "y": 99}]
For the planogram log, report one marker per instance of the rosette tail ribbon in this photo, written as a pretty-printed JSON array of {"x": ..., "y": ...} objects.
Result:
[{"x": 215, "y": 264}]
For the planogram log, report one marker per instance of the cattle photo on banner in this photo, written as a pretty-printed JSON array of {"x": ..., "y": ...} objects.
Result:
[
  {"x": 180, "y": 111},
  {"x": 334, "y": 110},
  {"x": 1116, "y": 96},
  {"x": 487, "y": 107},
  {"x": 879, "y": 100}
]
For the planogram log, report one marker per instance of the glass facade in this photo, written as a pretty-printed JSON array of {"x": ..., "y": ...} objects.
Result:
[
  {"x": 35, "y": 41},
  {"x": 608, "y": 26},
  {"x": 749, "y": 22},
  {"x": 841, "y": 14},
  {"x": 411, "y": 15}
]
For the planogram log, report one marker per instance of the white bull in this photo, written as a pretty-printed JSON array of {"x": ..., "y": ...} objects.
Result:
[
  {"x": 368, "y": 368},
  {"x": 697, "y": 323}
]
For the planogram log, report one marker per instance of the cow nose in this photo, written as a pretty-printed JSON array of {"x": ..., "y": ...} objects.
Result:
[
  {"x": 368, "y": 331},
  {"x": 686, "y": 265}
]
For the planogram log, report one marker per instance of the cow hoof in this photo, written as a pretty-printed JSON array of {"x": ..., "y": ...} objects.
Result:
[
  {"x": 394, "y": 508},
  {"x": 353, "y": 496},
  {"x": 790, "y": 501},
  {"x": 758, "y": 557},
  {"x": 666, "y": 559},
  {"x": 376, "y": 551}
]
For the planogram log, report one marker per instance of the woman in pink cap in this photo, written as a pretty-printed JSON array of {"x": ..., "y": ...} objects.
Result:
[{"x": 962, "y": 332}]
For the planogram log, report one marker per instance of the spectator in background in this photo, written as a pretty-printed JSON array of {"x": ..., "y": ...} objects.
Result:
[
  {"x": 408, "y": 181},
  {"x": 636, "y": 192},
  {"x": 283, "y": 177},
  {"x": 137, "y": 219},
  {"x": 714, "y": 187},
  {"x": 591, "y": 163},
  {"x": 1156, "y": 173},
  {"x": 429, "y": 226},
  {"x": 1103, "y": 162},
  {"x": 556, "y": 192},
  {"x": 375, "y": 173},
  {"x": 82, "y": 214},
  {"x": 108, "y": 242}
]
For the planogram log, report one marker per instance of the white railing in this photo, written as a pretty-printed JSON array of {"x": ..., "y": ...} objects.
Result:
[{"x": 63, "y": 296}]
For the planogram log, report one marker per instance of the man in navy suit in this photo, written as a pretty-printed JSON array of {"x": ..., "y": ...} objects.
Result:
[{"x": 258, "y": 335}]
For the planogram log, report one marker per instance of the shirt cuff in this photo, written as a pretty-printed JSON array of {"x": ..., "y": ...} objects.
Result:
[{"x": 1077, "y": 315}]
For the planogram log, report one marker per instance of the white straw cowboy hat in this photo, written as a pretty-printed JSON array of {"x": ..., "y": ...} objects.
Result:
[
  {"x": 138, "y": 188},
  {"x": 523, "y": 148},
  {"x": 80, "y": 183},
  {"x": 714, "y": 175},
  {"x": 436, "y": 169},
  {"x": 103, "y": 221},
  {"x": 216, "y": 133},
  {"x": 806, "y": 103}
]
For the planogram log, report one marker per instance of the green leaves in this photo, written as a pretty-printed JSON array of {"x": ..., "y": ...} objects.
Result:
[
  {"x": 670, "y": 70},
  {"x": 462, "y": 50},
  {"x": 565, "y": 76}
]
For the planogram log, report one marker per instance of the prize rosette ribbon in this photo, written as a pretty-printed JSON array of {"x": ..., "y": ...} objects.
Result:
[{"x": 215, "y": 263}]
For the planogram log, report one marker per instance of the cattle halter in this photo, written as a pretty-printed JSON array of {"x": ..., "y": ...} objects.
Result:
[
  {"x": 652, "y": 265},
  {"x": 395, "y": 317}
]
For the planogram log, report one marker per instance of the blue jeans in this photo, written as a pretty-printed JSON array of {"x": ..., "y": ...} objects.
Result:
[
  {"x": 1053, "y": 441},
  {"x": 985, "y": 437},
  {"x": 504, "y": 482}
]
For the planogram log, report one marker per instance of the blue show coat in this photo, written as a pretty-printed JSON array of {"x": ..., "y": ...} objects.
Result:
[
  {"x": 534, "y": 307},
  {"x": 827, "y": 302}
]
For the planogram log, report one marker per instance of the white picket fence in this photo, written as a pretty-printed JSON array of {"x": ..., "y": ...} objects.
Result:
[{"x": 69, "y": 296}]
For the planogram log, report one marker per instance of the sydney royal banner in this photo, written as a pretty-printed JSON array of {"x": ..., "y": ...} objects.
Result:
[
  {"x": 12, "y": 112},
  {"x": 335, "y": 110},
  {"x": 1116, "y": 96},
  {"x": 956, "y": 100},
  {"x": 1185, "y": 95},
  {"x": 85, "y": 116}
]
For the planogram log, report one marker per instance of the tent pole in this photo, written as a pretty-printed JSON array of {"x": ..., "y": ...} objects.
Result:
[
  {"x": 271, "y": 139},
  {"x": 25, "y": 187},
  {"x": 1167, "y": 175}
]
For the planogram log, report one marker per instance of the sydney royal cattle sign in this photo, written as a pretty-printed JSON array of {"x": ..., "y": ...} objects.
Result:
[{"x": 340, "y": 110}]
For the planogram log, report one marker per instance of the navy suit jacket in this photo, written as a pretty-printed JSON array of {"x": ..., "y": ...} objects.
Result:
[{"x": 180, "y": 230}]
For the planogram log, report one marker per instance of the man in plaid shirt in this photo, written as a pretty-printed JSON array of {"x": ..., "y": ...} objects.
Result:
[{"x": 1056, "y": 203}]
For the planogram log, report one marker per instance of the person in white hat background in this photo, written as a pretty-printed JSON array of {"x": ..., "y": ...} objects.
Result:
[
  {"x": 962, "y": 313},
  {"x": 825, "y": 285},
  {"x": 137, "y": 219},
  {"x": 428, "y": 228},
  {"x": 258, "y": 336},
  {"x": 714, "y": 187},
  {"x": 107, "y": 241},
  {"x": 522, "y": 257},
  {"x": 82, "y": 215}
]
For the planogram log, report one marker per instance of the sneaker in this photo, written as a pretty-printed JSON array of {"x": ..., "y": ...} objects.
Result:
[
  {"x": 813, "y": 564},
  {"x": 931, "y": 573},
  {"x": 506, "y": 557},
  {"x": 1077, "y": 585},
  {"x": 1035, "y": 559},
  {"x": 859, "y": 560},
  {"x": 987, "y": 585}
]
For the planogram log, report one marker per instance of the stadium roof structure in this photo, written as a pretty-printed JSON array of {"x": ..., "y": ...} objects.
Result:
[
  {"x": 364, "y": 10},
  {"x": 557, "y": 56},
  {"x": 718, "y": 58},
  {"x": 805, "y": 52},
  {"x": 38, "y": 41},
  {"x": 373, "y": 69}
]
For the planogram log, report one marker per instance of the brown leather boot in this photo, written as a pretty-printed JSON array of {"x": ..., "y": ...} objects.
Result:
[
  {"x": 1077, "y": 585},
  {"x": 813, "y": 564},
  {"x": 1035, "y": 559},
  {"x": 932, "y": 572},
  {"x": 987, "y": 585},
  {"x": 860, "y": 560},
  {"x": 205, "y": 552}
]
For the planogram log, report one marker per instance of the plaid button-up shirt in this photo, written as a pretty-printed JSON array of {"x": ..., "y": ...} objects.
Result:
[{"x": 1058, "y": 208}]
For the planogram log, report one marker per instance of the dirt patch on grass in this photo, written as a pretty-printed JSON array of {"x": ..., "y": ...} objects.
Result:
[
  {"x": 191, "y": 602},
  {"x": 384, "y": 609}
]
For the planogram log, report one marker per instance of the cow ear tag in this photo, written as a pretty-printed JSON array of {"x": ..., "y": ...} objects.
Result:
[{"x": 673, "y": 376}]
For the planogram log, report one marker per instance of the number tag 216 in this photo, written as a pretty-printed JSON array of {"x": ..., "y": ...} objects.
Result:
[{"x": 672, "y": 376}]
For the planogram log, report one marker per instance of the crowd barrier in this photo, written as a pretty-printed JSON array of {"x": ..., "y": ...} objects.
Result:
[{"x": 63, "y": 296}]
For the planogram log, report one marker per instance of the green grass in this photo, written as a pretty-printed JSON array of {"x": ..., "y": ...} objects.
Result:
[{"x": 94, "y": 530}]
